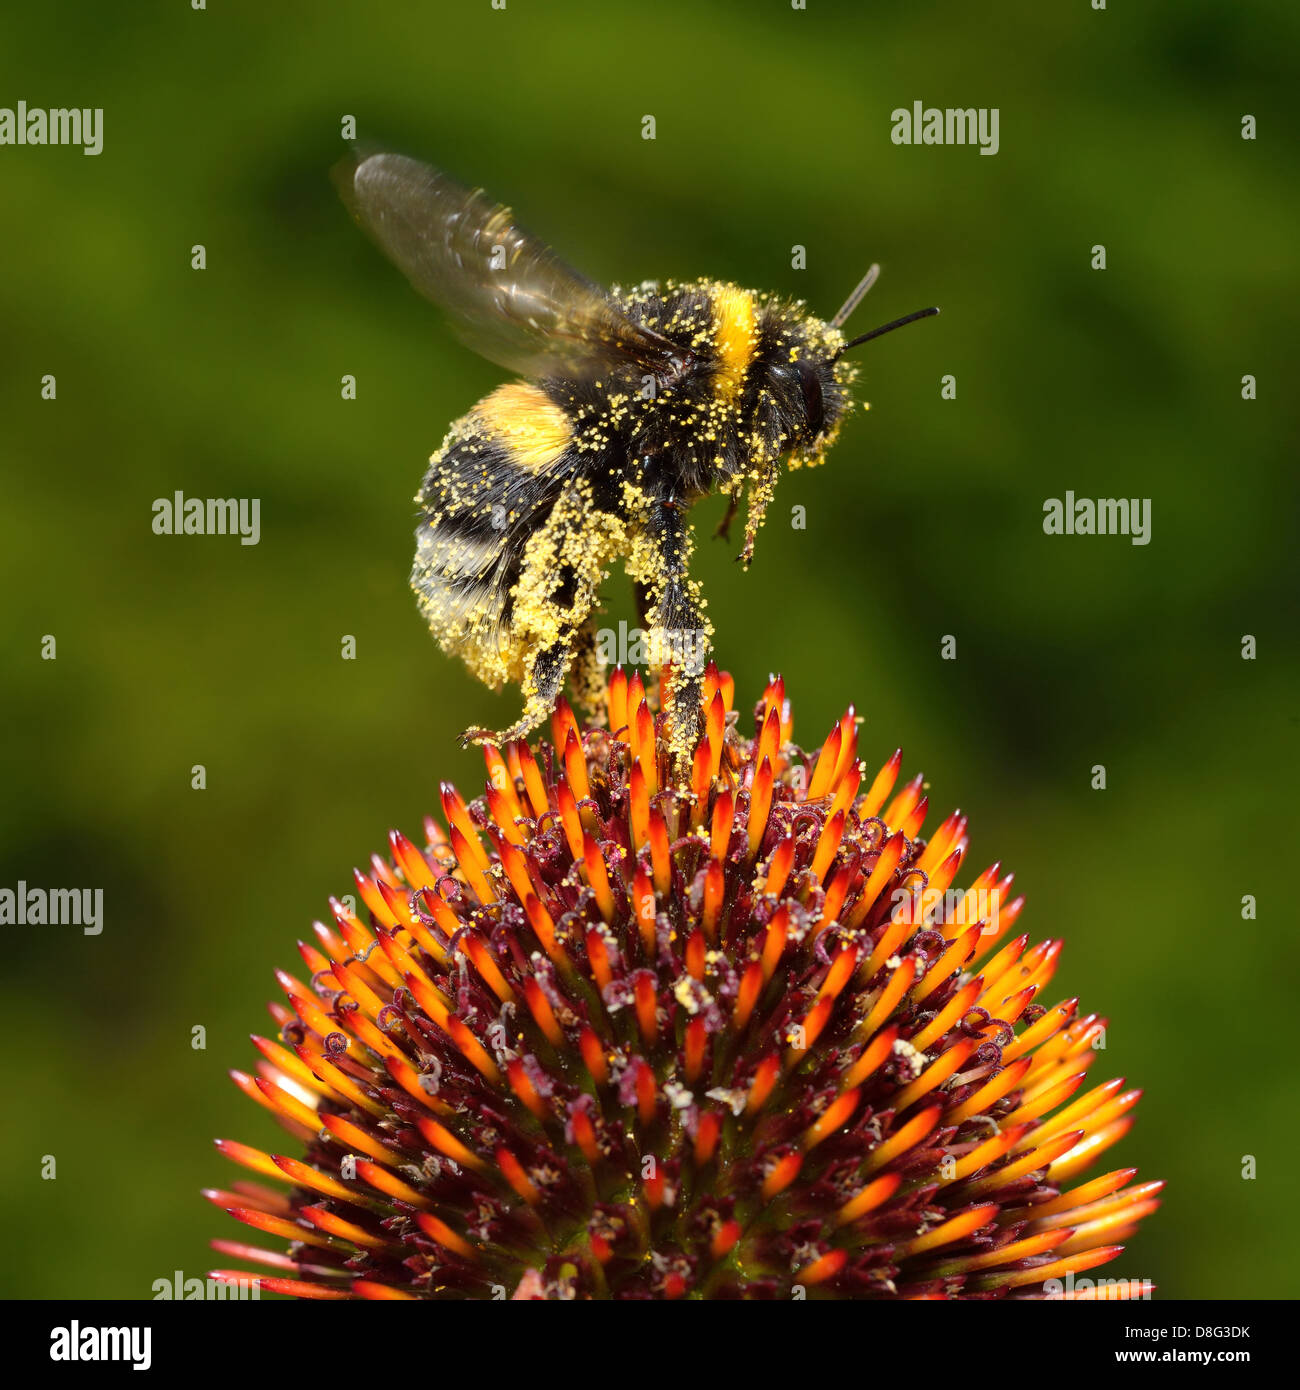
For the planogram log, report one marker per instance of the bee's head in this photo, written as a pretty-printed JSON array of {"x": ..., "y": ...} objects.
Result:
[
  {"x": 809, "y": 378},
  {"x": 810, "y": 391}
]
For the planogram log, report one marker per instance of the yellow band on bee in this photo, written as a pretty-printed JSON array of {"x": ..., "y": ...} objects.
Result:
[
  {"x": 524, "y": 417},
  {"x": 734, "y": 337}
]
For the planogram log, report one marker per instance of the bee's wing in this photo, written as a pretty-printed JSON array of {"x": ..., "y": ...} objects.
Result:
[{"x": 510, "y": 297}]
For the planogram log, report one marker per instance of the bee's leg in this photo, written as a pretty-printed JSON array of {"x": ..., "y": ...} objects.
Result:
[
  {"x": 588, "y": 676},
  {"x": 644, "y": 603},
  {"x": 679, "y": 632},
  {"x": 733, "y": 506},
  {"x": 762, "y": 487},
  {"x": 541, "y": 687},
  {"x": 561, "y": 599}
]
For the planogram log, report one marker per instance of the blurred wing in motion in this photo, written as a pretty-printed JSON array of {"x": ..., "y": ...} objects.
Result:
[{"x": 509, "y": 296}]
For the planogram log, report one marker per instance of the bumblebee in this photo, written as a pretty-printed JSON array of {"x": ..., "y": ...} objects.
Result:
[{"x": 631, "y": 405}]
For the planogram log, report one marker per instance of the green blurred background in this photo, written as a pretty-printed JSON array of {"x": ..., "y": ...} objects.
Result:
[{"x": 1119, "y": 127}]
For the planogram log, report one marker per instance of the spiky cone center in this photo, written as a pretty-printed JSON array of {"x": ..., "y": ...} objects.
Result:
[{"x": 629, "y": 1030}]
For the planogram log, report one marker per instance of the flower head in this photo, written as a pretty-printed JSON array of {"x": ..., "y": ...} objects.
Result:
[{"x": 626, "y": 1029}]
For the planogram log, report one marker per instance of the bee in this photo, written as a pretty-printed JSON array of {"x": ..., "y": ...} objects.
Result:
[{"x": 629, "y": 405}]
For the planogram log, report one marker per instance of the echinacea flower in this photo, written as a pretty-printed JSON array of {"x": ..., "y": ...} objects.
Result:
[{"x": 626, "y": 1030}]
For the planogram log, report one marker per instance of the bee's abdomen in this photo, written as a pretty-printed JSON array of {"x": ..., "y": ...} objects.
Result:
[{"x": 499, "y": 467}]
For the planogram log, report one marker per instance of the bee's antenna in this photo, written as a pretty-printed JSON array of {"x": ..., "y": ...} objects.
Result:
[
  {"x": 887, "y": 328},
  {"x": 855, "y": 298}
]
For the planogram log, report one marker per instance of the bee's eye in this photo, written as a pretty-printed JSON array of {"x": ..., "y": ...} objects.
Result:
[{"x": 813, "y": 403}]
